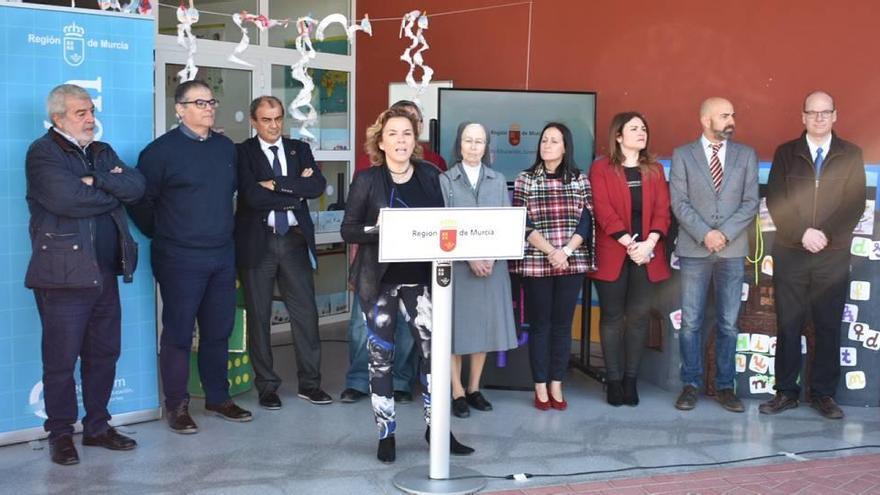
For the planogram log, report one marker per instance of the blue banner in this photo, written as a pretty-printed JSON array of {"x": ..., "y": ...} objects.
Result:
[{"x": 110, "y": 55}]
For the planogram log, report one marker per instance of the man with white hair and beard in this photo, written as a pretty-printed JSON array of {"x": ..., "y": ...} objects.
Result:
[
  {"x": 76, "y": 187},
  {"x": 713, "y": 185}
]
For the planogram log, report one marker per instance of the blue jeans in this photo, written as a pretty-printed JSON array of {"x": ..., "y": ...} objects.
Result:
[
  {"x": 696, "y": 275},
  {"x": 405, "y": 360}
]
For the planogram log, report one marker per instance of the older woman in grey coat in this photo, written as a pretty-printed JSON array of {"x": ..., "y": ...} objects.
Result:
[{"x": 482, "y": 311}]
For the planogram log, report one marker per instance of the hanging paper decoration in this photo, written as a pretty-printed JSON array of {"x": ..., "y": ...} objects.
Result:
[
  {"x": 301, "y": 108},
  {"x": 364, "y": 26},
  {"x": 262, "y": 22},
  {"x": 111, "y": 4},
  {"x": 416, "y": 18},
  {"x": 142, "y": 7},
  {"x": 186, "y": 18},
  {"x": 299, "y": 72}
]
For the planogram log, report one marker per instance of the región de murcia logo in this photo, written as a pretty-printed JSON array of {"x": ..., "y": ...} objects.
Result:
[{"x": 74, "y": 44}]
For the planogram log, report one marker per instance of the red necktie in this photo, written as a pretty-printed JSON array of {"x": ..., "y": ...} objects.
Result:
[{"x": 715, "y": 167}]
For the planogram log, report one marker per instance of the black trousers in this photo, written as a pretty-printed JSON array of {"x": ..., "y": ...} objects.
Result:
[
  {"x": 84, "y": 324},
  {"x": 624, "y": 304},
  {"x": 287, "y": 262},
  {"x": 550, "y": 302},
  {"x": 198, "y": 285},
  {"x": 809, "y": 285}
]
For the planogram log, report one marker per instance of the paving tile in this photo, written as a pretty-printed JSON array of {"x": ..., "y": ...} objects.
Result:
[
  {"x": 593, "y": 486},
  {"x": 631, "y": 490}
]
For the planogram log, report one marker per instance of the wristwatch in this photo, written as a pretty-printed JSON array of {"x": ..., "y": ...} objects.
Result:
[{"x": 567, "y": 250}]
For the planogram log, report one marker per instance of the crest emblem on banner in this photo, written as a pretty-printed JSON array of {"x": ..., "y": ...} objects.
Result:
[
  {"x": 514, "y": 136},
  {"x": 448, "y": 235},
  {"x": 74, "y": 44}
]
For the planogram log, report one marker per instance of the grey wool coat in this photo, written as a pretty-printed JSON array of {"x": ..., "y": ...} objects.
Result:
[
  {"x": 699, "y": 209},
  {"x": 482, "y": 308}
]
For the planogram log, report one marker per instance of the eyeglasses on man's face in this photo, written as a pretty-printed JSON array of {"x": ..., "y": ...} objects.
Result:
[
  {"x": 814, "y": 114},
  {"x": 202, "y": 104}
]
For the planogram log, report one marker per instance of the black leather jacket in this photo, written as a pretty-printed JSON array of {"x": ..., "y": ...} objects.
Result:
[{"x": 370, "y": 192}]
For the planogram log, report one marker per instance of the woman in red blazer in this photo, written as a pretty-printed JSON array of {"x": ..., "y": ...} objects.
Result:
[{"x": 631, "y": 205}]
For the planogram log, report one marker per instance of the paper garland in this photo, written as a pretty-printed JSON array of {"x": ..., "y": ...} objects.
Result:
[
  {"x": 262, "y": 22},
  {"x": 420, "y": 20},
  {"x": 299, "y": 70},
  {"x": 364, "y": 26},
  {"x": 185, "y": 38}
]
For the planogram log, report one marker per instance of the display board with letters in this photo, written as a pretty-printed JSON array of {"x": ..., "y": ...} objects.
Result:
[{"x": 111, "y": 56}]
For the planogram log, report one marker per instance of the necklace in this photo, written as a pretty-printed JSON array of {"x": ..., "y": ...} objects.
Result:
[{"x": 404, "y": 172}]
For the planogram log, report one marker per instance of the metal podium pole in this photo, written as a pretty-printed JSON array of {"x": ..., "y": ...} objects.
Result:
[{"x": 435, "y": 478}]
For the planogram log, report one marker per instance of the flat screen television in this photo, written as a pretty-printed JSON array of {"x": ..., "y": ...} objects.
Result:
[{"x": 515, "y": 119}]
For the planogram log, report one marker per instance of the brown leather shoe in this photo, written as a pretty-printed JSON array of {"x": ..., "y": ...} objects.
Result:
[
  {"x": 687, "y": 400},
  {"x": 728, "y": 400},
  {"x": 827, "y": 407},
  {"x": 110, "y": 439},
  {"x": 229, "y": 411},
  {"x": 180, "y": 421},
  {"x": 777, "y": 404},
  {"x": 62, "y": 451}
]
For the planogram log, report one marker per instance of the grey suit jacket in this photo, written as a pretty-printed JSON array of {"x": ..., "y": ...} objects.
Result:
[{"x": 700, "y": 209}]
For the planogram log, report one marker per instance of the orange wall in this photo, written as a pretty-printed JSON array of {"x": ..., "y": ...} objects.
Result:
[{"x": 659, "y": 57}]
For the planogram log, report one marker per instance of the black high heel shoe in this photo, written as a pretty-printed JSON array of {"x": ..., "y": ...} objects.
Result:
[
  {"x": 387, "y": 452},
  {"x": 630, "y": 394},
  {"x": 614, "y": 393},
  {"x": 455, "y": 447}
]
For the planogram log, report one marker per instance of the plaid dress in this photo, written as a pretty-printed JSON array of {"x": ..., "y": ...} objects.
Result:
[{"x": 554, "y": 209}]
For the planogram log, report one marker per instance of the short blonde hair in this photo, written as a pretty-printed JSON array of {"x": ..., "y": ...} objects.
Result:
[{"x": 374, "y": 134}]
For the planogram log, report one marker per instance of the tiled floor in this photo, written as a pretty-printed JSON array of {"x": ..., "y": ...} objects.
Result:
[
  {"x": 857, "y": 474},
  {"x": 305, "y": 449}
]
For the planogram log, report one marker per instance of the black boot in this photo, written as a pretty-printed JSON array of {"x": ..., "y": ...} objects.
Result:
[
  {"x": 387, "y": 451},
  {"x": 614, "y": 393},
  {"x": 455, "y": 447},
  {"x": 630, "y": 394}
]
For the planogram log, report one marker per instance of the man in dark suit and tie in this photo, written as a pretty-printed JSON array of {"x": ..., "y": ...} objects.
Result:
[
  {"x": 713, "y": 185},
  {"x": 275, "y": 242},
  {"x": 816, "y": 195}
]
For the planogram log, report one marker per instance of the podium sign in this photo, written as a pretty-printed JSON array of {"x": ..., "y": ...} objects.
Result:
[
  {"x": 441, "y": 236},
  {"x": 451, "y": 234}
]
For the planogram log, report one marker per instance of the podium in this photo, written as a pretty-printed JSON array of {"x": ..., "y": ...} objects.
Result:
[{"x": 442, "y": 236}]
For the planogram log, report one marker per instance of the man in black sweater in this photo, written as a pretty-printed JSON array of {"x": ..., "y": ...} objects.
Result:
[
  {"x": 187, "y": 211},
  {"x": 816, "y": 195}
]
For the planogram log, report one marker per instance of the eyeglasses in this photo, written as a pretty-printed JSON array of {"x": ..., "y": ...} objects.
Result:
[
  {"x": 812, "y": 114},
  {"x": 202, "y": 104}
]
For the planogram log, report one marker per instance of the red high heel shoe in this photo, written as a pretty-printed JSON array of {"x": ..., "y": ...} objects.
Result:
[
  {"x": 542, "y": 405},
  {"x": 559, "y": 405}
]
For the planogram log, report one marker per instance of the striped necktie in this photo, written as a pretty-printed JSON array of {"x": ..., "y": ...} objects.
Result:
[{"x": 715, "y": 167}]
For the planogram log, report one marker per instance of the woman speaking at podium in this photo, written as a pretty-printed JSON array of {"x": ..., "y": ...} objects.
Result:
[
  {"x": 559, "y": 231},
  {"x": 397, "y": 179}
]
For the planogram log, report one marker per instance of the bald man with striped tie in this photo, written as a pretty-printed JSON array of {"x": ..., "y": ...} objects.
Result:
[{"x": 713, "y": 186}]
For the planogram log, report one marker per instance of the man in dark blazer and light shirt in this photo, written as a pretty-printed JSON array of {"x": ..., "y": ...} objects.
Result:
[
  {"x": 714, "y": 190},
  {"x": 275, "y": 242}
]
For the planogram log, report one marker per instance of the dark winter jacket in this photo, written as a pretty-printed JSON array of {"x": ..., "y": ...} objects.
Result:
[{"x": 63, "y": 211}]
